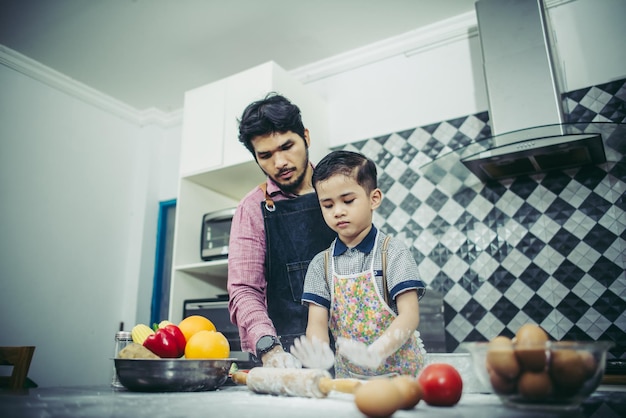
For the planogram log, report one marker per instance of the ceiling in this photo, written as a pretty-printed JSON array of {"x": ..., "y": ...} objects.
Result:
[{"x": 147, "y": 53}]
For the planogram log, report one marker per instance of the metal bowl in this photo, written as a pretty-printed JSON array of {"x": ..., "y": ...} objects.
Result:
[{"x": 172, "y": 375}]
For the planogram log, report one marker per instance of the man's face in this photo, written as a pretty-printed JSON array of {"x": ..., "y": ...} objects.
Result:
[{"x": 284, "y": 157}]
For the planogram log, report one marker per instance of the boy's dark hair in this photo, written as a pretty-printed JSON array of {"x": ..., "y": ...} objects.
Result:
[
  {"x": 348, "y": 163},
  {"x": 273, "y": 114}
]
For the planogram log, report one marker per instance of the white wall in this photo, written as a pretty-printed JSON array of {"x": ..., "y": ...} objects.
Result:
[
  {"x": 404, "y": 92},
  {"x": 80, "y": 190},
  {"x": 445, "y": 80},
  {"x": 590, "y": 39}
]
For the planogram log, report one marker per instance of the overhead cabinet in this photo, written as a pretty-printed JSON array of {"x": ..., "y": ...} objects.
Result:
[{"x": 216, "y": 170}]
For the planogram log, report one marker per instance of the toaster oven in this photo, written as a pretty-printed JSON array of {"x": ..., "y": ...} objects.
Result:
[{"x": 215, "y": 234}]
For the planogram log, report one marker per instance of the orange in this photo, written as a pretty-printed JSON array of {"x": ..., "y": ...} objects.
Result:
[
  {"x": 207, "y": 344},
  {"x": 195, "y": 323}
]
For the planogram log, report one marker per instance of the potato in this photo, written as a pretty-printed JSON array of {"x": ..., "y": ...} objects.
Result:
[{"x": 135, "y": 350}]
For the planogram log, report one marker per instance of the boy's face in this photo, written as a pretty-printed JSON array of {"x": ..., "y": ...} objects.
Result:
[
  {"x": 284, "y": 158},
  {"x": 347, "y": 207}
]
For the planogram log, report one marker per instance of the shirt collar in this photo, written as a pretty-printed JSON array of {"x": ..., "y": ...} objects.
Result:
[{"x": 365, "y": 246}]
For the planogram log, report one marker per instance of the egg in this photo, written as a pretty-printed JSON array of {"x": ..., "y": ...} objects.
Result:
[
  {"x": 378, "y": 397},
  {"x": 410, "y": 390},
  {"x": 589, "y": 363},
  {"x": 535, "y": 386},
  {"x": 567, "y": 370},
  {"x": 500, "y": 384},
  {"x": 529, "y": 342},
  {"x": 501, "y": 358}
]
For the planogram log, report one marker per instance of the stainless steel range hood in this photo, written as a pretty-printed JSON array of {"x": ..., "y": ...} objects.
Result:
[{"x": 525, "y": 106}]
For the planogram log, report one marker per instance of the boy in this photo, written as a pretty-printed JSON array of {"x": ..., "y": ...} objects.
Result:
[{"x": 344, "y": 288}]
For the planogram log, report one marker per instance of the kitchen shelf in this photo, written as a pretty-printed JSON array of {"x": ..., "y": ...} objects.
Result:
[
  {"x": 214, "y": 268},
  {"x": 233, "y": 181}
]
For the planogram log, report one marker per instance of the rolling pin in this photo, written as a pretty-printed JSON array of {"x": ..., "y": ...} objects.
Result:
[{"x": 310, "y": 383}]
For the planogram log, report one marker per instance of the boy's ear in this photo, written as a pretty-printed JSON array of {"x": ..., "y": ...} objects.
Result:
[{"x": 376, "y": 198}]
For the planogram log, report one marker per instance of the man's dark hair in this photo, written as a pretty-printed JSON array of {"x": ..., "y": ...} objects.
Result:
[
  {"x": 273, "y": 114},
  {"x": 348, "y": 163}
]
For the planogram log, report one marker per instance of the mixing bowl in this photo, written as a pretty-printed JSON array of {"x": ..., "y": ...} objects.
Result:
[
  {"x": 172, "y": 375},
  {"x": 553, "y": 375}
]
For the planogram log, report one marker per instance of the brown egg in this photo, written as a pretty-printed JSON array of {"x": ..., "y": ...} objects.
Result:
[
  {"x": 529, "y": 347},
  {"x": 567, "y": 370},
  {"x": 535, "y": 386},
  {"x": 589, "y": 363},
  {"x": 378, "y": 398},
  {"x": 500, "y": 384},
  {"x": 410, "y": 390},
  {"x": 501, "y": 358}
]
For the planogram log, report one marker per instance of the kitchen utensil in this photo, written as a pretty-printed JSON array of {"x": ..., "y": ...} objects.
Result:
[
  {"x": 309, "y": 383},
  {"x": 562, "y": 374},
  {"x": 172, "y": 375}
]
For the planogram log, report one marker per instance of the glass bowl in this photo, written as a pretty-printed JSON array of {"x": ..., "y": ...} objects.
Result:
[{"x": 555, "y": 375}]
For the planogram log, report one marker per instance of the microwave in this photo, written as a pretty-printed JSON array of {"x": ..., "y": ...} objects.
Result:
[
  {"x": 215, "y": 234},
  {"x": 216, "y": 310}
]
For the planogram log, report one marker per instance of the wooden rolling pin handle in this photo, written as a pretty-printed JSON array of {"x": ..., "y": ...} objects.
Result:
[
  {"x": 326, "y": 384},
  {"x": 240, "y": 378}
]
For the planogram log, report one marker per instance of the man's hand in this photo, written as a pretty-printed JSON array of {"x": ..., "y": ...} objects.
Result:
[{"x": 277, "y": 357}]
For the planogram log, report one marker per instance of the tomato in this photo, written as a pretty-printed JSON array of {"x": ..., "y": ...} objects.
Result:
[{"x": 441, "y": 384}]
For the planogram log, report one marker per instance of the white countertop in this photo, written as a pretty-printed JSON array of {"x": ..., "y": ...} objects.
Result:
[{"x": 239, "y": 402}]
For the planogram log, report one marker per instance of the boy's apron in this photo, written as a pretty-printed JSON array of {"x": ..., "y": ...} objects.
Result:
[{"x": 358, "y": 312}]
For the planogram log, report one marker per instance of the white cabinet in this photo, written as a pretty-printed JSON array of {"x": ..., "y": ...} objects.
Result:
[
  {"x": 203, "y": 129},
  {"x": 216, "y": 170}
]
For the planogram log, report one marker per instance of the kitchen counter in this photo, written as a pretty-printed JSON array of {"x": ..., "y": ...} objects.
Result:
[{"x": 238, "y": 401}]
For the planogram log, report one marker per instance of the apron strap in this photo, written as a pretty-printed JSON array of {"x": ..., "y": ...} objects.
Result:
[
  {"x": 269, "y": 203},
  {"x": 384, "y": 257},
  {"x": 326, "y": 255}
]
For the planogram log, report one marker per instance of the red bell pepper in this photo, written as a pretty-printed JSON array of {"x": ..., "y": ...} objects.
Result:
[{"x": 166, "y": 342}]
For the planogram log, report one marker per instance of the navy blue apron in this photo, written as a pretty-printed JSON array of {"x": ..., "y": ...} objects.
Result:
[{"x": 295, "y": 232}]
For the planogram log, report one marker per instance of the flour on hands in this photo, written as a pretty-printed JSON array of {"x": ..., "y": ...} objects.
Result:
[{"x": 313, "y": 353}]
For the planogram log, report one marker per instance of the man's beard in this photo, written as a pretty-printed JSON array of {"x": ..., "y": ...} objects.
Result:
[{"x": 295, "y": 184}]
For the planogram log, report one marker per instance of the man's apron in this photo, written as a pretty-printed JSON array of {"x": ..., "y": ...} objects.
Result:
[{"x": 295, "y": 232}]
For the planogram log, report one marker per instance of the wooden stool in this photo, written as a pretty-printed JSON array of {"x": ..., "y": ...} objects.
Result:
[{"x": 19, "y": 358}]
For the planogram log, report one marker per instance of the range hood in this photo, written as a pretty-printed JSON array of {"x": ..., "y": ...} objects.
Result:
[{"x": 525, "y": 106}]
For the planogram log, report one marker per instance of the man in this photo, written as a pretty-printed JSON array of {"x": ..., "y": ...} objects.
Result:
[{"x": 277, "y": 229}]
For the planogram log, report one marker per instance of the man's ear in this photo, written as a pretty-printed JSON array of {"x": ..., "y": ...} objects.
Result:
[
  {"x": 376, "y": 198},
  {"x": 307, "y": 138}
]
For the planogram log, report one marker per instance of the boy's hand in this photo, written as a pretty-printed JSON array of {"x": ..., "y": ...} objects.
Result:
[
  {"x": 359, "y": 353},
  {"x": 314, "y": 354}
]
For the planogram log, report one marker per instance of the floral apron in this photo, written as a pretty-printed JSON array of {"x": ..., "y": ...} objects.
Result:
[{"x": 358, "y": 312}]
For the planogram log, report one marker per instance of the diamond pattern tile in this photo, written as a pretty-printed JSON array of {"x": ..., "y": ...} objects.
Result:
[{"x": 548, "y": 249}]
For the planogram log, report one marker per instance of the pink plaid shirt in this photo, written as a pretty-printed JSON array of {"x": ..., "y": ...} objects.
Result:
[{"x": 246, "y": 268}]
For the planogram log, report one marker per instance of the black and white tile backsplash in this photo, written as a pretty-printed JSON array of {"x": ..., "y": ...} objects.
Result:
[{"x": 547, "y": 248}]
